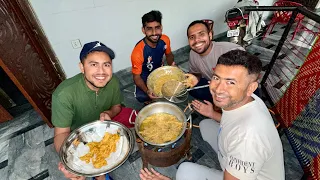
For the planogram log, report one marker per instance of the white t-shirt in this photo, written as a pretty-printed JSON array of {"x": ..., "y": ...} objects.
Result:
[
  {"x": 249, "y": 144},
  {"x": 204, "y": 64}
]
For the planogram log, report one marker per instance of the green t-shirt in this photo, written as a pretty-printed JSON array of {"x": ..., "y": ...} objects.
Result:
[{"x": 75, "y": 104}]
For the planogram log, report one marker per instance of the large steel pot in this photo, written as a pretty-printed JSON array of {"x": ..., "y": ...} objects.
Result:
[{"x": 162, "y": 107}]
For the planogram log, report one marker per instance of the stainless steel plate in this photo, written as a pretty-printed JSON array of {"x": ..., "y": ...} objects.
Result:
[{"x": 73, "y": 145}]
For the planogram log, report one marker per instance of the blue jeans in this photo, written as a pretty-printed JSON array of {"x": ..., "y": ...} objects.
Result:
[
  {"x": 203, "y": 93},
  {"x": 141, "y": 96}
]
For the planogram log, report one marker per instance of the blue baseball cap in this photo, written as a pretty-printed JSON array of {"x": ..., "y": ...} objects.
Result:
[{"x": 95, "y": 46}]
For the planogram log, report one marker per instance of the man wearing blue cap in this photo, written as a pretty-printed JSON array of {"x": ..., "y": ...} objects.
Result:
[{"x": 90, "y": 95}]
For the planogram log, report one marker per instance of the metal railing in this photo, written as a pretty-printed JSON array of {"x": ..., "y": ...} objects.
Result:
[
  {"x": 295, "y": 11},
  {"x": 282, "y": 69}
]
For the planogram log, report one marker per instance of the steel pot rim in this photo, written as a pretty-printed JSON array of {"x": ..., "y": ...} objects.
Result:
[{"x": 185, "y": 121}]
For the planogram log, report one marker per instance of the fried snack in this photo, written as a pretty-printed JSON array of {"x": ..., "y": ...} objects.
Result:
[
  {"x": 99, "y": 151},
  {"x": 190, "y": 81},
  {"x": 160, "y": 128}
]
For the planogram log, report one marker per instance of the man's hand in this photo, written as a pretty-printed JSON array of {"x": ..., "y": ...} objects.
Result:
[
  {"x": 191, "y": 80},
  {"x": 145, "y": 174},
  {"x": 104, "y": 116},
  {"x": 174, "y": 64},
  {"x": 206, "y": 109},
  {"x": 151, "y": 95},
  {"x": 68, "y": 174}
]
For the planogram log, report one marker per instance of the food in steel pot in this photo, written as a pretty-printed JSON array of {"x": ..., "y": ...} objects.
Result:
[{"x": 160, "y": 128}]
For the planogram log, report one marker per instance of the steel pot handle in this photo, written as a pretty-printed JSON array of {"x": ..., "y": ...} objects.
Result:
[
  {"x": 188, "y": 110},
  {"x": 190, "y": 121},
  {"x": 130, "y": 118}
]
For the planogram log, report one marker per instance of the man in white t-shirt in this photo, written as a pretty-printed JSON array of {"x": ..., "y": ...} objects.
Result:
[{"x": 244, "y": 136}]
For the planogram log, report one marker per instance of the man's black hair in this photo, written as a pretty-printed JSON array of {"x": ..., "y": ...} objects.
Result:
[
  {"x": 151, "y": 16},
  {"x": 241, "y": 58},
  {"x": 198, "y": 22}
]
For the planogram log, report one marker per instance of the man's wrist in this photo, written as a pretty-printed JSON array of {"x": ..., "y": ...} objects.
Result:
[{"x": 108, "y": 113}]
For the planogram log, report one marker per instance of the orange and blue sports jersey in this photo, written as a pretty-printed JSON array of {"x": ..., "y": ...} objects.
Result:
[{"x": 145, "y": 59}]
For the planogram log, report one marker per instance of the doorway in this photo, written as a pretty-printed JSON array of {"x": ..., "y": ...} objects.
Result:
[
  {"x": 27, "y": 59},
  {"x": 12, "y": 100}
]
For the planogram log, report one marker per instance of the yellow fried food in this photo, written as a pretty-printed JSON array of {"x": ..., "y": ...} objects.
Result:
[
  {"x": 160, "y": 128},
  {"x": 99, "y": 151}
]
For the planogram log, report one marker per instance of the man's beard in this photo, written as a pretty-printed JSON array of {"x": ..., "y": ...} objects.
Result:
[
  {"x": 232, "y": 103},
  {"x": 204, "y": 49},
  {"x": 154, "y": 41},
  {"x": 91, "y": 82}
]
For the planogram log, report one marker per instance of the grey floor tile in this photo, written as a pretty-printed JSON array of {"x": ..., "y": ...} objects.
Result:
[
  {"x": 17, "y": 124},
  {"x": 126, "y": 171},
  {"x": 51, "y": 160},
  {"x": 4, "y": 147},
  {"x": 167, "y": 171},
  {"x": 4, "y": 173},
  {"x": 24, "y": 161},
  {"x": 209, "y": 162},
  {"x": 137, "y": 165},
  {"x": 48, "y": 132}
]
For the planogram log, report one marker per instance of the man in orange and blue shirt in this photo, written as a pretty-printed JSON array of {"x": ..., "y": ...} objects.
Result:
[{"x": 148, "y": 53}]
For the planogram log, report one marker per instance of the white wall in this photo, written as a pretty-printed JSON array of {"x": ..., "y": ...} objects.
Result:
[{"x": 117, "y": 23}]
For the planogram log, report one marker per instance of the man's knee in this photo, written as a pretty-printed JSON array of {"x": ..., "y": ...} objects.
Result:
[
  {"x": 208, "y": 125},
  {"x": 184, "y": 171},
  {"x": 141, "y": 96},
  {"x": 193, "y": 171},
  {"x": 208, "y": 129},
  {"x": 143, "y": 99}
]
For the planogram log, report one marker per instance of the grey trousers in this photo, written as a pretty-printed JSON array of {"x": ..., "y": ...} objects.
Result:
[{"x": 191, "y": 171}]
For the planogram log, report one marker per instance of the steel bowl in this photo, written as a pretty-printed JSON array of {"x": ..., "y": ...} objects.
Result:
[
  {"x": 161, "y": 107},
  {"x": 82, "y": 134}
]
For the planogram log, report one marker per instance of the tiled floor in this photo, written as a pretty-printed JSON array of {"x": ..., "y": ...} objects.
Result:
[{"x": 26, "y": 143}]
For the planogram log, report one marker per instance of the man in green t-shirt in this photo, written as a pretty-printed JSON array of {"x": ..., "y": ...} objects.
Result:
[{"x": 88, "y": 96}]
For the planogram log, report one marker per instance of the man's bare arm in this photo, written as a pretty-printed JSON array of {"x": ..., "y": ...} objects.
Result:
[
  {"x": 60, "y": 134},
  {"x": 113, "y": 111},
  {"x": 216, "y": 116},
  {"x": 228, "y": 176},
  {"x": 198, "y": 75},
  {"x": 170, "y": 58},
  {"x": 140, "y": 83}
]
